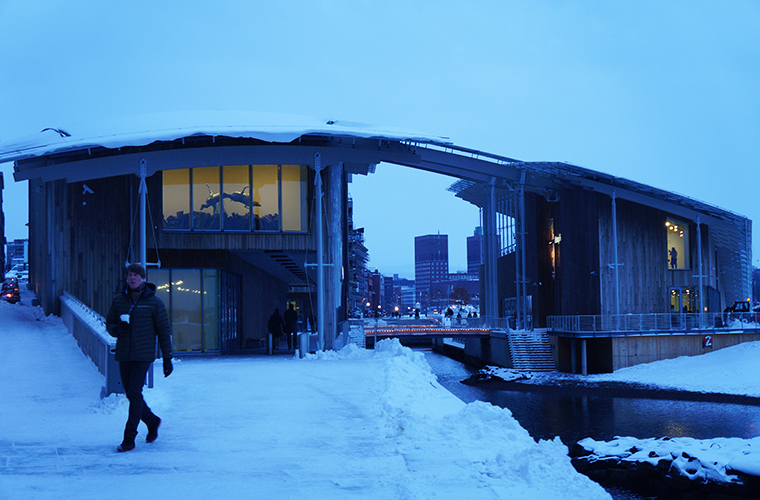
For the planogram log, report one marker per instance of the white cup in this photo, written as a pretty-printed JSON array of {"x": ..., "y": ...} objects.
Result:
[{"x": 124, "y": 318}]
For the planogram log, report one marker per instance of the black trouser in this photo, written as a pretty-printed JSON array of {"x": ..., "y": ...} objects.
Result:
[{"x": 133, "y": 378}]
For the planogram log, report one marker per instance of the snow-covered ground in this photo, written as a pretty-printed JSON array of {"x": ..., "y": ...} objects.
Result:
[{"x": 353, "y": 424}]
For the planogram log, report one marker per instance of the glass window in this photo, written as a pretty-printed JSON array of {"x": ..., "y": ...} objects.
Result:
[
  {"x": 191, "y": 297},
  {"x": 162, "y": 279},
  {"x": 683, "y": 300},
  {"x": 207, "y": 200},
  {"x": 186, "y": 309},
  {"x": 176, "y": 198},
  {"x": 266, "y": 202},
  {"x": 293, "y": 179},
  {"x": 237, "y": 197},
  {"x": 678, "y": 244},
  {"x": 224, "y": 198},
  {"x": 210, "y": 309}
]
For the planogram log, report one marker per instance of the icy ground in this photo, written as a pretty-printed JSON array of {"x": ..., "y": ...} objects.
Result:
[{"x": 354, "y": 424}]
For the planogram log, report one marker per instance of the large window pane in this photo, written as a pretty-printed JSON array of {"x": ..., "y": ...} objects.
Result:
[
  {"x": 207, "y": 200},
  {"x": 266, "y": 203},
  {"x": 186, "y": 309},
  {"x": 161, "y": 278},
  {"x": 237, "y": 197},
  {"x": 210, "y": 310},
  {"x": 176, "y": 198},
  {"x": 678, "y": 244},
  {"x": 293, "y": 198}
]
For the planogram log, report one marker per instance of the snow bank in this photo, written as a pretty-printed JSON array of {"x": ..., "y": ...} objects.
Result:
[
  {"x": 732, "y": 370},
  {"x": 467, "y": 442}
]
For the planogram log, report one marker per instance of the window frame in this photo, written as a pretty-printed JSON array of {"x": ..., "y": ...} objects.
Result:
[{"x": 302, "y": 203}]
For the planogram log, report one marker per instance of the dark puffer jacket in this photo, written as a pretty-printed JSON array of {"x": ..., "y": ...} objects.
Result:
[{"x": 147, "y": 321}]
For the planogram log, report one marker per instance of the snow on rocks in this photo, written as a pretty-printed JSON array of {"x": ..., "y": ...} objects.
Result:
[
  {"x": 498, "y": 374},
  {"x": 720, "y": 465},
  {"x": 713, "y": 459}
]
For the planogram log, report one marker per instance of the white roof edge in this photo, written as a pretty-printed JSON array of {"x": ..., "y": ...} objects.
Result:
[{"x": 140, "y": 130}]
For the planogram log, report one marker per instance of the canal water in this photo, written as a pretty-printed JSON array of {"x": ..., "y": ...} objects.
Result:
[{"x": 575, "y": 415}]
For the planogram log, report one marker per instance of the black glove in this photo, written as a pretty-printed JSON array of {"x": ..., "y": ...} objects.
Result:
[
  {"x": 122, "y": 328},
  {"x": 168, "y": 368}
]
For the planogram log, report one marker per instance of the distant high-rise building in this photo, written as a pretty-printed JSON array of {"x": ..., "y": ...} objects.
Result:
[
  {"x": 474, "y": 251},
  {"x": 431, "y": 263}
]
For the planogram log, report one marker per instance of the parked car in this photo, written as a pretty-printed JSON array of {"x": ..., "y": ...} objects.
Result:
[
  {"x": 10, "y": 283},
  {"x": 10, "y": 292},
  {"x": 741, "y": 310}
]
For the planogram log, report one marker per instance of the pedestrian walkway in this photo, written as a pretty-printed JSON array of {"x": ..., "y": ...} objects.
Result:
[
  {"x": 356, "y": 426},
  {"x": 256, "y": 430}
]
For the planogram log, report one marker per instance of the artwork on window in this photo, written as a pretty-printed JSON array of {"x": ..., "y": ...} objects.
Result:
[
  {"x": 207, "y": 200},
  {"x": 236, "y": 198}
]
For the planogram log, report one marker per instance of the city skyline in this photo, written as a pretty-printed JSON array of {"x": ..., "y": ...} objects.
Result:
[{"x": 664, "y": 94}]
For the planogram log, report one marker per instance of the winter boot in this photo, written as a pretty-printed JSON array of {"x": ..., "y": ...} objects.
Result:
[
  {"x": 126, "y": 445},
  {"x": 153, "y": 431}
]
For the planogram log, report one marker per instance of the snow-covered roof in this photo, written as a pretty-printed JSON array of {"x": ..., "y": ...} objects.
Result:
[{"x": 141, "y": 130}]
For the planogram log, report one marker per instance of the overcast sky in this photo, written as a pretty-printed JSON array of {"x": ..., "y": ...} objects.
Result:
[{"x": 663, "y": 93}]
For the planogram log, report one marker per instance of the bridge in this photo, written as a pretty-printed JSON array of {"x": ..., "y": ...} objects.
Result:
[{"x": 417, "y": 331}]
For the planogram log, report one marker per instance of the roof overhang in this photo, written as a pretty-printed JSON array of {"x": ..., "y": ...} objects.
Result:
[
  {"x": 179, "y": 140},
  {"x": 143, "y": 130}
]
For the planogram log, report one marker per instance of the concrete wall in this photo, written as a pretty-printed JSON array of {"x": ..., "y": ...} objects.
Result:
[
  {"x": 479, "y": 352},
  {"x": 630, "y": 351}
]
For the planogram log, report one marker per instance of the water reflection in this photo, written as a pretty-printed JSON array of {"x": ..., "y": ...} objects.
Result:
[{"x": 571, "y": 416}]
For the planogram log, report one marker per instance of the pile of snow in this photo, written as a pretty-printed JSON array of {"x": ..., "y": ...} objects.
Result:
[
  {"x": 450, "y": 447},
  {"x": 702, "y": 460}
]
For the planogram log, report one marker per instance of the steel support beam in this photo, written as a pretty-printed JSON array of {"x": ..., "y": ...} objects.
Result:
[
  {"x": 321, "y": 323},
  {"x": 490, "y": 252}
]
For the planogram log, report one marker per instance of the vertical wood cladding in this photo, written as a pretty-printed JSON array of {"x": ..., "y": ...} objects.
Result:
[
  {"x": 97, "y": 238},
  {"x": 642, "y": 270},
  {"x": 577, "y": 277},
  {"x": 80, "y": 238}
]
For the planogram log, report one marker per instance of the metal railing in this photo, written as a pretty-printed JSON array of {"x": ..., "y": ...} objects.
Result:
[
  {"x": 89, "y": 329},
  {"x": 644, "y": 324}
]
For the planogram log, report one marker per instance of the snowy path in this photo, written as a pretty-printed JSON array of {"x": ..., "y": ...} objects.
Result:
[{"x": 358, "y": 424}]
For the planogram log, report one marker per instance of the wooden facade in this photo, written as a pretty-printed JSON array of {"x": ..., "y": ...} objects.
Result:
[
  {"x": 590, "y": 243},
  {"x": 579, "y": 277},
  {"x": 80, "y": 236}
]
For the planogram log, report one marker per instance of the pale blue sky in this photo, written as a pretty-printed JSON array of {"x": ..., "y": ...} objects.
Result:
[{"x": 663, "y": 93}]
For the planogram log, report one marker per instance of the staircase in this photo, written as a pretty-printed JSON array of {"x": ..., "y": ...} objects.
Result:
[{"x": 531, "y": 351}]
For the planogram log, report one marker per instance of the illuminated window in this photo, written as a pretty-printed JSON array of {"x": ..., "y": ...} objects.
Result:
[
  {"x": 207, "y": 199},
  {"x": 176, "y": 195},
  {"x": 678, "y": 244},
  {"x": 266, "y": 197},
  {"x": 293, "y": 198},
  {"x": 236, "y": 198}
]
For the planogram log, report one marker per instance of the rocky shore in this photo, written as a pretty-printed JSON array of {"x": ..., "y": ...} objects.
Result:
[{"x": 662, "y": 480}]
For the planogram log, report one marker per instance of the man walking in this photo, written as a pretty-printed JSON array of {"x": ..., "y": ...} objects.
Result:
[
  {"x": 290, "y": 318},
  {"x": 137, "y": 318}
]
